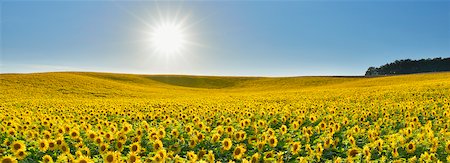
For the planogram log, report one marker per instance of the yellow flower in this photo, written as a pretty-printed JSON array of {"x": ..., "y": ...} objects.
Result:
[
  {"x": 8, "y": 159},
  {"x": 20, "y": 154},
  {"x": 133, "y": 158},
  {"x": 238, "y": 152},
  {"x": 352, "y": 152},
  {"x": 447, "y": 147},
  {"x": 215, "y": 138},
  {"x": 162, "y": 154},
  {"x": 111, "y": 157},
  {"x": 227, "y": 144},
  {"x": 210, "y": 156},
  {"x": 273, "y": 141},
  {"x": 135, "y": 147},
  {"x": 43, "y": 145},
  {"x": 74, "y": 134},
  {"x": 255, "y": 158},
  {"x": 84, "y": 159},
  {"x": 103, "y": 148},
  {"x": 157, "y": 145},
  {"x": 395, "y": 153},
  {"x": 191, "y": 156},
  {"x": 47, "y": 159},
  {"x": 411, "y": 147},
  {"x": 18, "y": 146},
  {"x": 296, "y": 147}
]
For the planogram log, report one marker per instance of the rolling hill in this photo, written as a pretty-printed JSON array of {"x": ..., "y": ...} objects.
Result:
[{"x": 109, "y": 85}]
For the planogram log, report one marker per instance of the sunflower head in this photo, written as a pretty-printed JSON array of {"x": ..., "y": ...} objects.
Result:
[
  {"x": 18, "y": 146},
  {"x": 227, "y": 144},
  {"x": 273, "y": 141},
  {"x": 411, "y": 147},
  {"x": 111, "y": 157},
  {"x": 43, "y": 145},
  {"x": 20, "y": 154},
  {"x": 47, "y": 159},
  {"x": 238, "y": 152},
  {"x": 8, "y": 159}
]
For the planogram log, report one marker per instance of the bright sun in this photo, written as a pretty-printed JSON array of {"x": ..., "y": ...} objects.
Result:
[{"x": 168, "y": 38}]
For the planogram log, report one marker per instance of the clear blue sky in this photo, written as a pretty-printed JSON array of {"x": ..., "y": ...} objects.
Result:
[{"x": 231, "y": 37}]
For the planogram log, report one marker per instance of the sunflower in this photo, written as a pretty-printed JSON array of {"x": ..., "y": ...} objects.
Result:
[
  {"x": 119, "y": 146},
  {"x": 352, "y": 152},
  {"x": 255, "y": 158},
  {"x": 193, "y": 142},
  {"x": 91, "y": 135},
  {"x": 51, "y": 145},
  {"x": 411, "y": 147},
  {"x": 366, "y": 151},
  {"x": 102, "y": 148},
  {"x": 229, "y": 130},
  {"x": 295, "y": 125},
  {"x": 74, "y": 134},
  {"x": 109, "y": 136},
  {"x": 64, "y": 148},
  {"x": 8, "y": 159},
  {"x": 238, "y": 152},
  {"x": 296, "y": 146},
  {"x": 215, "y": 138},
  {"x": 447, "y": 147},
  {"x": 135, "y": 147},
  {"x": 162, "y": 154},
  {"x": 83, "y": 159},
  {"x": 20, "y": 154},
  {"x": 260, "y": 145},
  {"x": 11, "y": 132},
  {"x": 98, "y": 140},
  {"x": 18, "y": 146},
  {"x": 352, "y": 140},
  {"x": 395, "y": 153},
  {"x": 47, "y": 159},
  {"x": 273, "y": 141},
  {"x": 133, "y": 157},
  {"x": 192, "y": 157},
  {"x": 43, "y": 145},
  {"x": 111, "y": 157},
  {"x": 60, "y": 141},
  {"x": 210, "y": 156},
  {"x": 268, "y": 155},
  {"x": 157, "y": 158},
  {"x": 227, "y": 144},
  {"x": 283, "y": 129},
  {"x": 175, "y": 133},
  {"x": 157, "y": 145}
]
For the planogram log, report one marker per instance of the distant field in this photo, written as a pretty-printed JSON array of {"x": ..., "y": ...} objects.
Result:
[{"x": 105, "y": 117}]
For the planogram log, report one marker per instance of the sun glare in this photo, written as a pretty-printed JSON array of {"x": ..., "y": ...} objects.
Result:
[{"x": 168, "y": 38}]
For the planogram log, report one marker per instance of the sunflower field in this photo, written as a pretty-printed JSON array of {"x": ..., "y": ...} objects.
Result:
[{"x": 101, "y": 117}]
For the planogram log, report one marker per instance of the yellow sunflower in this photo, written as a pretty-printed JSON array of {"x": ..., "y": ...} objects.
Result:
[
  {"x": 83, "y": 159},
  {"x": 18, "y": 146},
  {"x": 111, "y": 157},
  {"x": 273, "y": 141},
  {"x": 20, "y": 154},
  {"x": 47, "y": 159},
  {"x": 238, "y": 152},
  {"x": 411, "y": 147},
  {"x": 43, "y": 145},
  {"x": 227, "y": 144},
  {"x": 8, "y": 159}
]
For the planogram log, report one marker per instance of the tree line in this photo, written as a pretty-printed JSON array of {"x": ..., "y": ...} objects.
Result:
[{"x": 408, "y": 66}]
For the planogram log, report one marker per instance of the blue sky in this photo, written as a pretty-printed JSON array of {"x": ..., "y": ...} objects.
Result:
[{"x": 268, "y": 38}]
